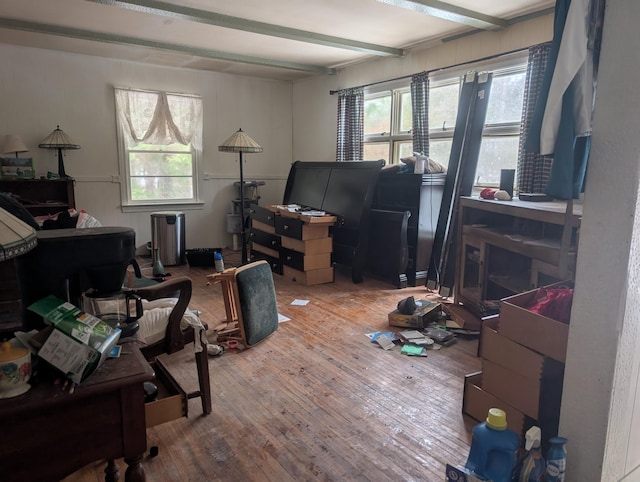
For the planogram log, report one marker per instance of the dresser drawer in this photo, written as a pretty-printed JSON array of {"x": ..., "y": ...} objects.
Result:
[
  {"x": 304, "y": 262},
  {"x": 295, "y": 228},
  {"x": 265, "y": 239},
  {"x": 309, "y": 246},
  {"x": 275, "y": 263},
  {"x": 263, "y": 215},
  {"x": 313, "y": 277}
]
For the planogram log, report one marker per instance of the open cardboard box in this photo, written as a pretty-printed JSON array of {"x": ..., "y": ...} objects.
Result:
[
  {"x": 476, "y": 403},
  {"x": 538, "y": 332}
]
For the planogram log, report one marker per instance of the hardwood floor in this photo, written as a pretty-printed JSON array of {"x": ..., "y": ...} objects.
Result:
[{"x": 316, "y": 400}]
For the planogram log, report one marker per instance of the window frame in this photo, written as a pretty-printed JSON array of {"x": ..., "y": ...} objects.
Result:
[
  {"x": 395, "y": 138},
  {"x": 130, "y": 205}
]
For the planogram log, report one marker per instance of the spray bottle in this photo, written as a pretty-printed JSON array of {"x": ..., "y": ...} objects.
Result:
[{"x": 533, "y": 468}]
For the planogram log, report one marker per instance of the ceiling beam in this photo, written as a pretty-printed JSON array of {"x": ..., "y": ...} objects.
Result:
[
  {"x": 171, "y": 10},
  {"x": 126, "y": 40},
  {"x": 446, "y": 11},
  {"x": 511, "y": 21}
]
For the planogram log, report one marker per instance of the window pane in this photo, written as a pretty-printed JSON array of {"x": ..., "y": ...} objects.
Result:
[
  {"x": 406, "y": 112},
  {"x": 373, "y": 151},
  {"x": 405, "y": 149},
  {"x": 161, "y": 188},
  {"x": 443, "y": 106},
  {"x": 160, "y": 164},
  {"x": 505, "y": 99},
  {"x": 377, "y": 115},
  {"x": 440, "y": 150},
  {"x": 496, "y": 153}
]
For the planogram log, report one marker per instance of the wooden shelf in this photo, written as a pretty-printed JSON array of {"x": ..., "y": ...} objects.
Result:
[{"x": 507, "y": 247}]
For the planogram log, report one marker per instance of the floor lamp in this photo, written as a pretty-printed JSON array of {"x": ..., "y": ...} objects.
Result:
[{"x": 241, "y": 142}]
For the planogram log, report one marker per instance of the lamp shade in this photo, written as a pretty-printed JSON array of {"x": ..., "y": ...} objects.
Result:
[
  {"x": 58, "y": 139},
  {"x": 240, "y": 142},
  {"x": 16, "y": 236},
  {"x": 13, "y": 143}
]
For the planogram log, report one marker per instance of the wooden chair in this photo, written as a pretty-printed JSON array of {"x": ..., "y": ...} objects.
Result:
[
  {"x": 249, "y": 301},
  {"x": 169, "y": 330}
]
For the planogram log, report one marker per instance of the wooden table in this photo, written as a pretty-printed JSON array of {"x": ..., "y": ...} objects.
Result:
[{"x": 48, "y": 433}]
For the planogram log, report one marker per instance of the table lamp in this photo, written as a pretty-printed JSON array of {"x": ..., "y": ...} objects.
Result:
[
  {"x": 58, "y": 139},
  {"x": 16, "y": 236},
  {"x": 13, "y": 143}
]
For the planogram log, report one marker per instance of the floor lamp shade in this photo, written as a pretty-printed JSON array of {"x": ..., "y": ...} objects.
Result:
[
  {"x": 59, "y": 140},
  {"x": 241, "y": 142}
]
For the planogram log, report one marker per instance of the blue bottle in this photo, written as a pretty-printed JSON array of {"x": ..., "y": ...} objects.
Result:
[
  {"x": 494, "y": 448},
  {"x": 218, "y": 261},
  {"x": 556, "y": 459}
]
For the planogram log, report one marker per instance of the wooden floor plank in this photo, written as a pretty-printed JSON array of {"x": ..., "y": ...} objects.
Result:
[{"x": 316, "y": 400}]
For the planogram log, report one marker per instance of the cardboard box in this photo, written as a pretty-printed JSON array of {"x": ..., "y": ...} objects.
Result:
[
  {"x": 516, "y": 357},
  {"x": 538, "y": 398},
  {"x": 461, "y": 317},
  {"x": 78, "y": 343},
  {"x": 476, "y": 403},
  {"x": 426, "y": 311},
  {"x": 538, "y": 332}
]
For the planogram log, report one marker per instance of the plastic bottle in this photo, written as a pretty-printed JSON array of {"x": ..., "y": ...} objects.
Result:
[
  {"x": 556, "y": 459},
  {"x": 533, "y": 468},
  {"x": 494, "y": 448},
  {"x": 218, "y": 261}
]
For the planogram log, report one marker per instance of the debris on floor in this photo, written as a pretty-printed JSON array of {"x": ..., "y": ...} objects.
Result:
[{"x": 428, "y": 325}]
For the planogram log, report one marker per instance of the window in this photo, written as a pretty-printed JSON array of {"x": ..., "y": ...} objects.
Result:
[
  {"x": 387, "y": 125},
  {"x": 388, "y": 120},
  {"x": 501, "y": 133},
  {"x": 161, "y": 140}
]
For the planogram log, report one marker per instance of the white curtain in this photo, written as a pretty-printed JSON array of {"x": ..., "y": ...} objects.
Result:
[{"x": 159, "y": 118}]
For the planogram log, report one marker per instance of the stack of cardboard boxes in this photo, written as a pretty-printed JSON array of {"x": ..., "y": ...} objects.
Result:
[{"x": 523, "y": 355}]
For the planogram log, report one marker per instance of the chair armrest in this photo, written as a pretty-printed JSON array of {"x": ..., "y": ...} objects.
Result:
[{"x": 180, "y": 286}]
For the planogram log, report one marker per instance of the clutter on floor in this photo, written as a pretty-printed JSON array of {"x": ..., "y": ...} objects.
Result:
[{"x": 426, "y": 325}]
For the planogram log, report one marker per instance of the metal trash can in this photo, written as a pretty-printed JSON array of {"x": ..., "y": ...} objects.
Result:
[{"x": 167, "y": 236}]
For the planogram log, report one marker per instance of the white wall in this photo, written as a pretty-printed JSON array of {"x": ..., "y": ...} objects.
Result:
[
  {"x": 40, "y": 89},
  {"x": 600, "y": 407}
]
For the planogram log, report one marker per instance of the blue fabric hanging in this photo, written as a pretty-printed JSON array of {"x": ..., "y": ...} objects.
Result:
[{"x": 572, "y": 144}]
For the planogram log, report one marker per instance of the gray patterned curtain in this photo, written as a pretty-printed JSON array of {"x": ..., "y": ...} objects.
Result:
[
  {"x": 350, "y": 124},
  {"x": 533, "y": 169},
  {"x": 420, "y": 107}
]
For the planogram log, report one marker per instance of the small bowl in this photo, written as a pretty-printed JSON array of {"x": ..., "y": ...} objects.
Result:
[{"x": 15, "y": 370}]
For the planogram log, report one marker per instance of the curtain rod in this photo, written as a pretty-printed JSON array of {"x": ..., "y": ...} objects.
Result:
[{"x": 490, "y": 57}]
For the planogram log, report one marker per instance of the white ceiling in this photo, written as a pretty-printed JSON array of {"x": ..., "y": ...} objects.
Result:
[{"x": 186, "y": 34}]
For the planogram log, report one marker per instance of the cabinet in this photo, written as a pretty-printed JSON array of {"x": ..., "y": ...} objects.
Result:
[
  {"x": 296, "y": 246},
  {"x": 507, "y": 247},
  {"x": 421, "y": 196},
  {"x": 42, "y": 196}
]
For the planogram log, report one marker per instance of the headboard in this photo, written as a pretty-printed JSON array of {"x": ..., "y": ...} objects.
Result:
[{"x": 344, "y": 189}]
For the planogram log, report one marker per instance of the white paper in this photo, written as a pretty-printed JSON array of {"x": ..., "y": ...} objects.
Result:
[
  {"x": 282, "y": 318},
  {"x": 300, "y": 302}
]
